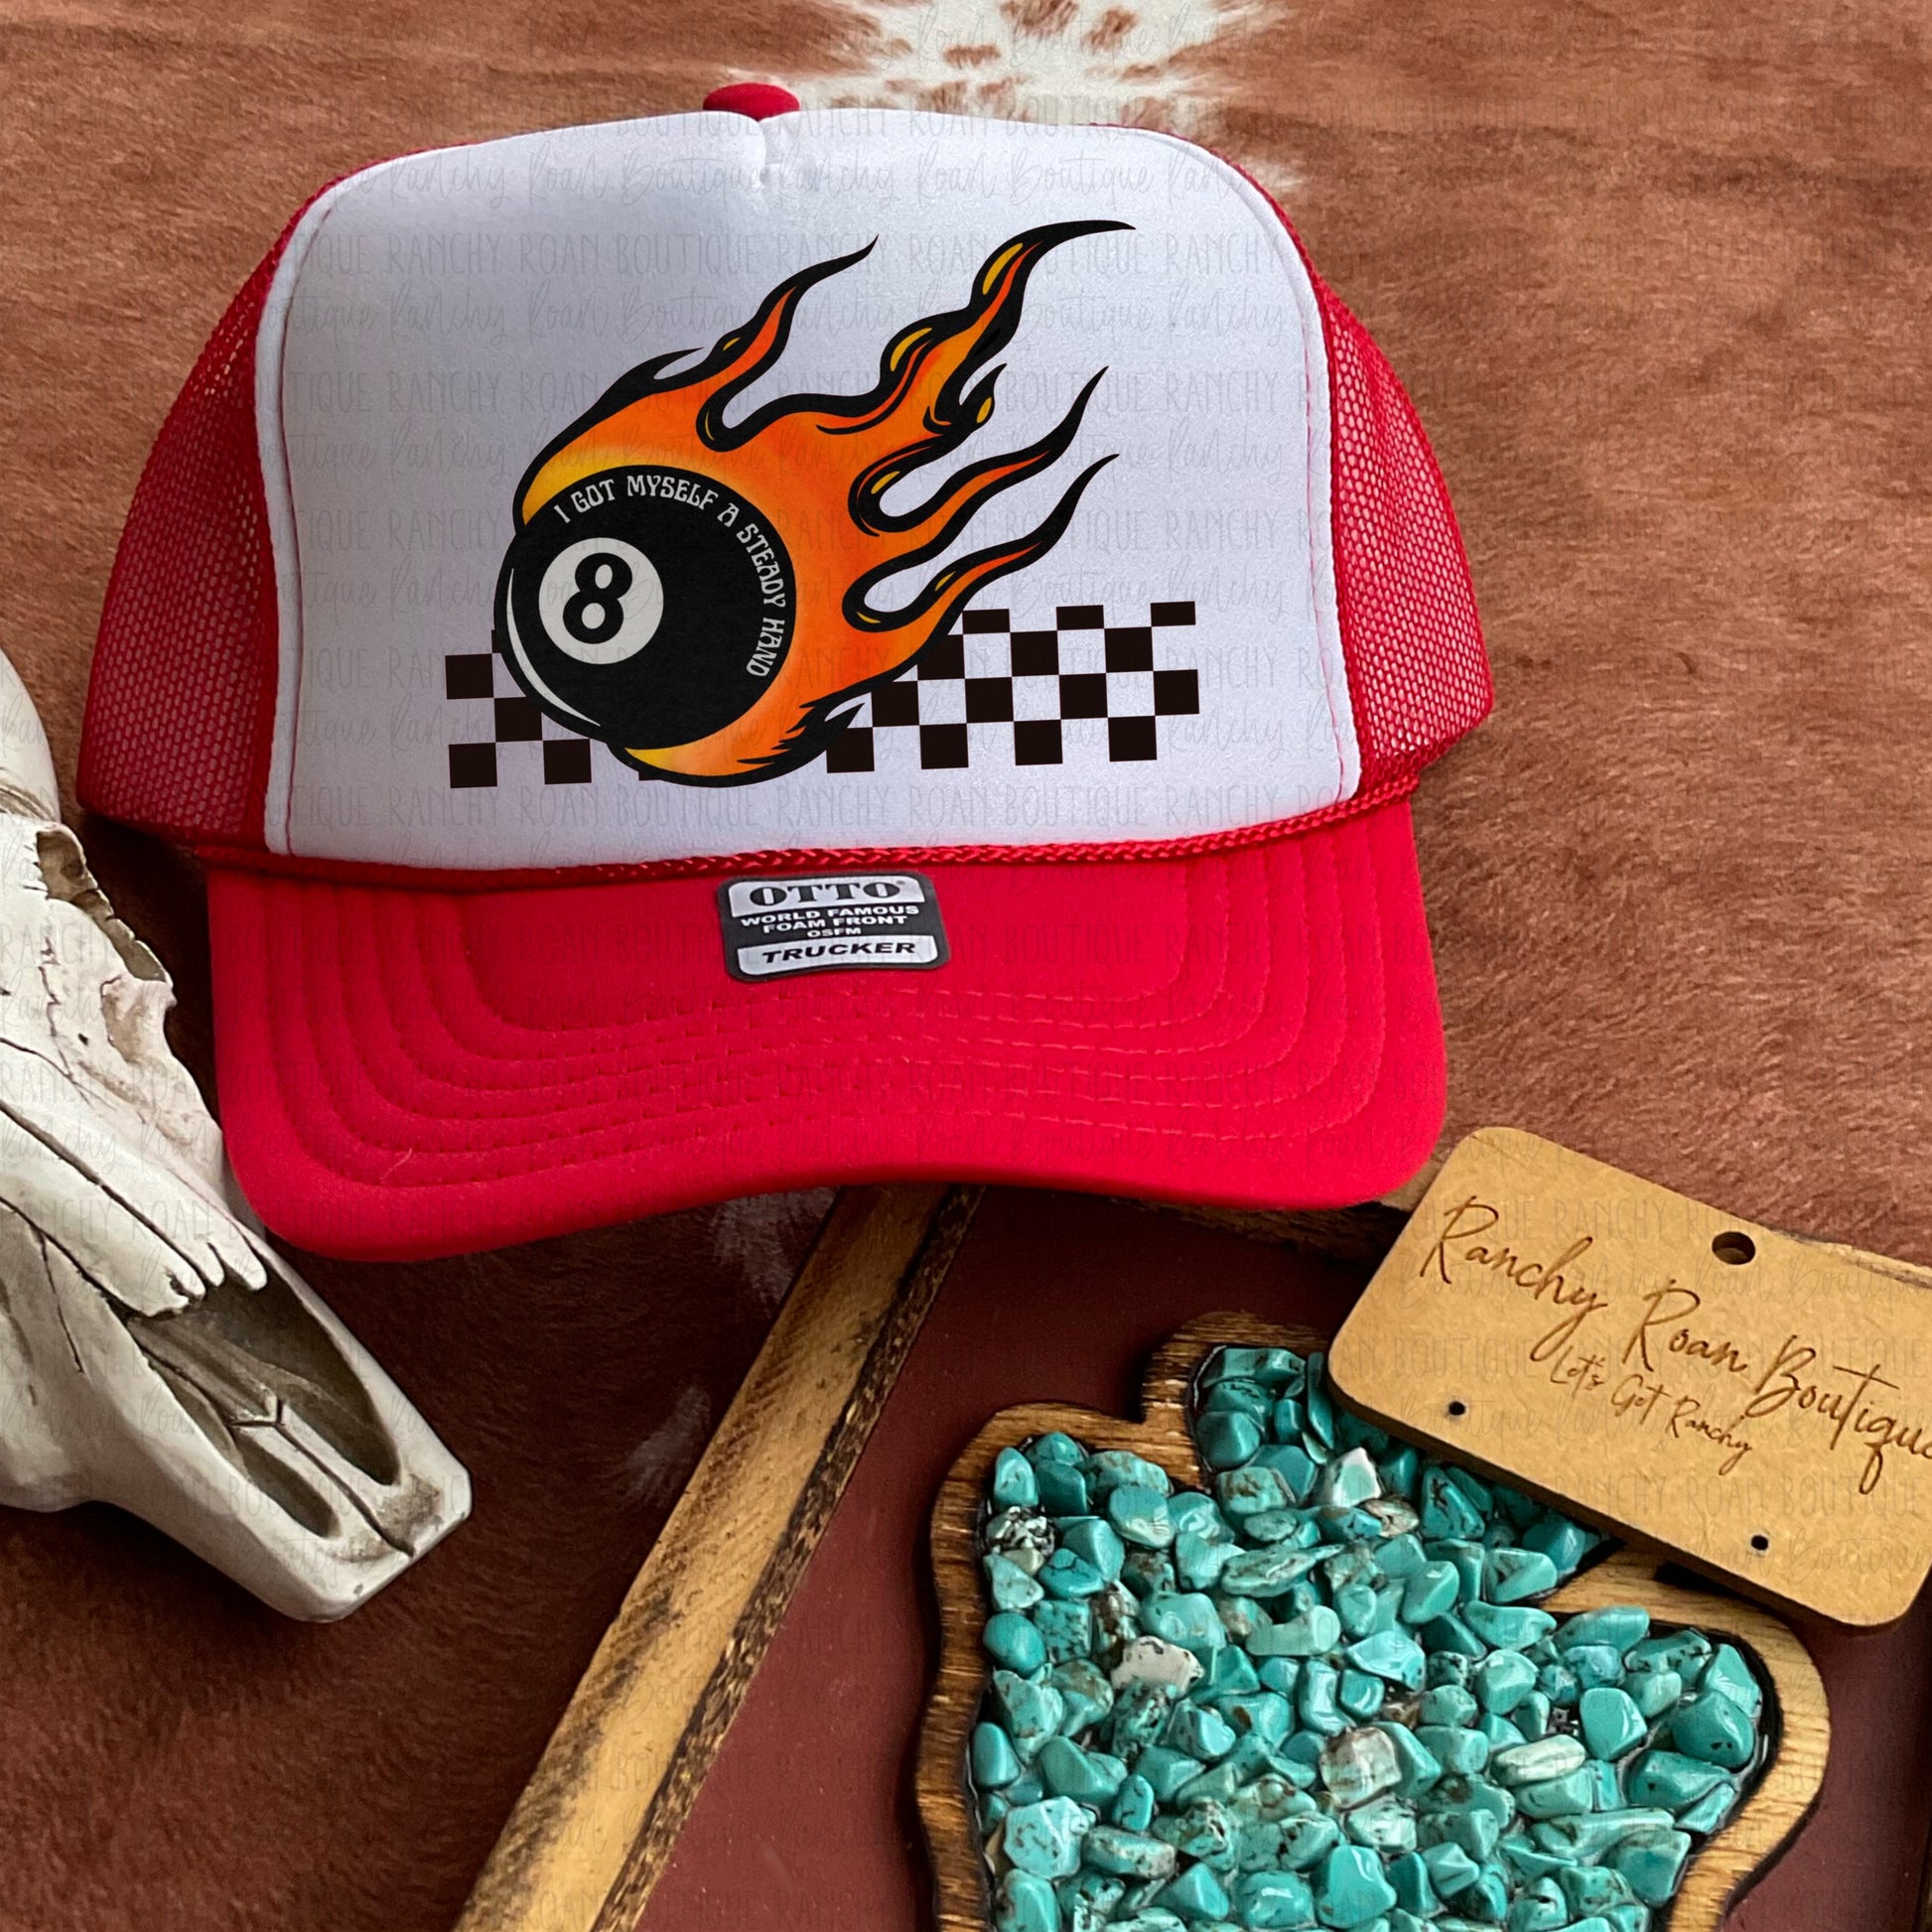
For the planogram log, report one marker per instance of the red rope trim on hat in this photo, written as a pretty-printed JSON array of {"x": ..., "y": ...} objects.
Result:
[{"x": 819, "y": 859}]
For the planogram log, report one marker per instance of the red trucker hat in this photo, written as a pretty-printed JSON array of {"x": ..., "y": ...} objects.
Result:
[{"x": 710, "y": 654}]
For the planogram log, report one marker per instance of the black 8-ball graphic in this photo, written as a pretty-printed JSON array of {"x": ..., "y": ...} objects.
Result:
[{"x": 646, "y": 607}]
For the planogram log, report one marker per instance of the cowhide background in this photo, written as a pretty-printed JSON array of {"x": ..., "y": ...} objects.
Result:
[{"x": 1656, "y": 273}]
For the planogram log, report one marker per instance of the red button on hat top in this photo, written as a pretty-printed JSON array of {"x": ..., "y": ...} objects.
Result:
[{"x": 757, "y": 99}]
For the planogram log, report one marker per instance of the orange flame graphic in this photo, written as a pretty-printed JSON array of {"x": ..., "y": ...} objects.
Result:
[{"x": 819, "y": 468}]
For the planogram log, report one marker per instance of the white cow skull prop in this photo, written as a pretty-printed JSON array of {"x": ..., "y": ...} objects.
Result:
[{"x": 155, "y": 1351}]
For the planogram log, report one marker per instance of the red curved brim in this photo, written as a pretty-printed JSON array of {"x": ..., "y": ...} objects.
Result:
[{"x": 408, "y": 1072}]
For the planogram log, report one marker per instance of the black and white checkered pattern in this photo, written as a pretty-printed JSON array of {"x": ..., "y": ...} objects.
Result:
[
  {"x": 1028, "y": 695},
  {"x": 480, "y": 681}
]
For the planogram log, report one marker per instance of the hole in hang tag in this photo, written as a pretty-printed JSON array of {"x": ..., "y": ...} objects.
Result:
[{"x": 1734, "y": 1246}]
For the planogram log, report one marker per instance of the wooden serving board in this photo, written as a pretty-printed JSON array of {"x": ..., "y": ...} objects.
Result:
[{"x": 1725, "y": 1866}]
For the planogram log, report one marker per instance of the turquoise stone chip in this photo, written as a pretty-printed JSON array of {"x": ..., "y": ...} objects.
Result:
[
  {"x": 1415, "y": 1893},
  {"x": 1267, "y": 1900},
  {"x": 1356, "y": 1605},
  {"x": 1419, "y": 1767},
  {"x": 1089, "y": 1901},
  {"x": 1131, "y": 1854},
  {"x": 1513, "y": 1575},
  {"x": 1451, "y": 1871},
  {"x": 1351, "y": 1889},
  {"x": 1454, "y": 1747},
  {"x": 1133, "y": 1806},
  {"x": 1399, "y": 1556},
  {"x": 1652, "y": 1862},
  {"x": 1201, "y": 1732},
  {"x": 1359, "y": 1693},
  {"x": 1066, "y": 1629},
  {"x": 1266, "y": 1714},
  {"x": 1446, "y": 1510},
  {"x": 1549, "y": 1757},
  {"x": 1316, "y": 1706},
  {"x": 1605, "y": 1785},
  {"x": 1141, "y": 1515},
  {"x": 1653, "y": 1692},
  {"x": 1010, "y": 1588},
  {"x": 1045, "y": 1839},
  {"x": 1384, "y": 1825},
  {"x": 1321, "y": 1414},
  {"x": 1451, "y": 1704},
  {"x": 1012, "y": 1640},
  {"x": 993, "y": 1807},
  {"x": 1200, "y": 1565},
  {"x": 1728, "y": 1672},
  {"x": 1588, "y": 1837},
  {"x": 1031, "y": 1713},
  {"x": 1306, "y": 1841},
  {"x": 1280, "y": 1674},
  {"x": 1085, "y": 1691},
  {"x": 994, "y": 1761},
  {"x": 1110, "y": 1468},
  {"x": 1192, "y": 1509},
  {"x": 1349, "y": 1480},
  {"x": 1500, "y": 1731},
  {"x": 1612, "y": 1723},
  {"x": 1014, "y": 1485},
  {"x": 1392, "y": 1655},
  {"x": 1189, "y": 1620},
  {"x": 1668, "y": 1778},
  {"x": 1714, "y": 1727},
  {"x": 1288, "y": 1421},
  {"x": 1709, "y": 1811},
  {"x": 1311, "y": 1634},
  {"x": 1228, "y": 1438},
  {"x": 1229, "y": 1673},
  {"x": 1026, "y": 1789},
  {"x": 1452, "y": 1635},
  {"x": 1166, "y": 1769},
  {"x": 1093, "y": 1541},
  {"x": 1487, "y": 1900},
  {"x": 1684, "y": 1651},
  {"x": 1558, "y": 1682},
  {"x": 1066, "y": 1574},
  {"x": 1592, "y": 1664},
  {"x": 1239, "y": 1394},
  {"x": 1565, "y": 1543},
  {"x": 1140, "y": 1716},
  {"x": 1253, "y": 1490},
  {"x": 1268, "y": 1572},
  {"x": 1506, "y": 1626},
  {"x": 1069, "y": 1772},
  {"x": 1296, "y": 1467},
  {"x": 1533, "y": 1716},
  {"x": 1205, "y": 1831},
  {"x": 1539, "y": 1907},
  {"x": 1400, "y": 1471},
  {"x": 1620, "y": 1625},
  {"x": 1555, "y": 1797},
  {"x": 1056, "y": 1447},
  {"x": 1197, "y": 1896},
  {"x": 1589, "y": 1889},
  {"x": 1027, "y": 1904},
  {"x": 1063, "y": 1489}
]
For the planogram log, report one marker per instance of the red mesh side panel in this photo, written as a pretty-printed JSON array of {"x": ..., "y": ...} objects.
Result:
[
  {"x": 1416, "y": 666},
  {"x": 180, "y": 704}
]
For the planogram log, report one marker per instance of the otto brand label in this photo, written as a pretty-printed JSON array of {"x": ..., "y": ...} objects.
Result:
[
  {"x": 831, "y": 922},
  {"x": 1758, "y": 1404}
]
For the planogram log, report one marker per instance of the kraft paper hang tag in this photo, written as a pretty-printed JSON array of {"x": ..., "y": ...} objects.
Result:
[{"x": 1758, "y": 1404}]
